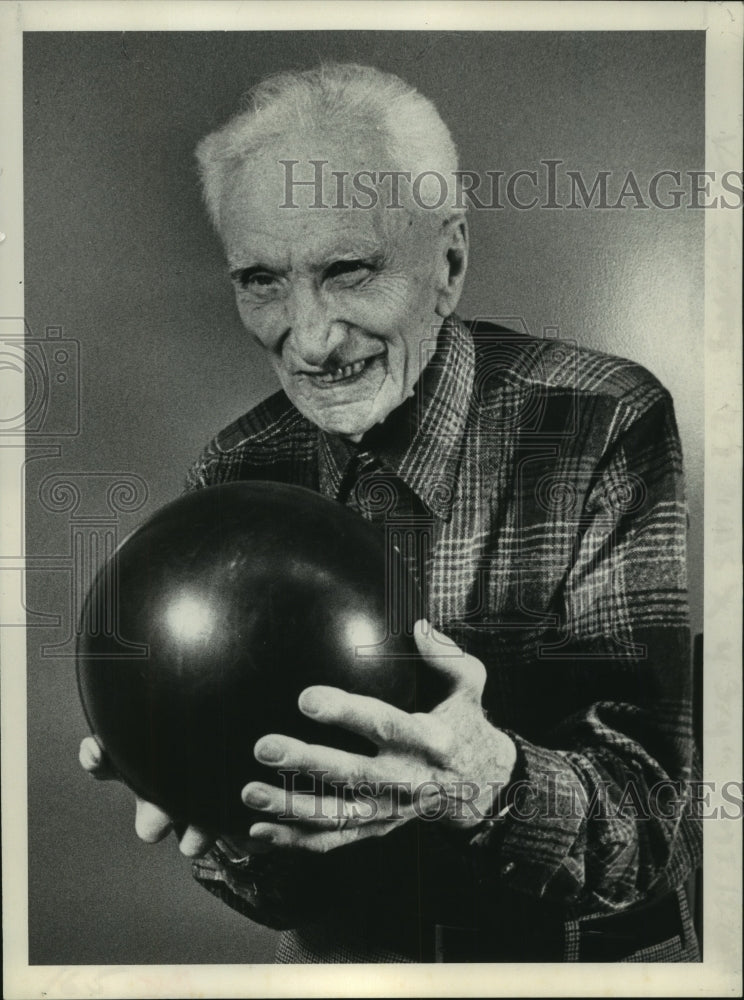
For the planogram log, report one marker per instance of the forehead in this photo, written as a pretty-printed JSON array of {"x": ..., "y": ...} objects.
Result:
[
  {"x": 266, "y": 209},
  {"x": 279, "y": 236}
]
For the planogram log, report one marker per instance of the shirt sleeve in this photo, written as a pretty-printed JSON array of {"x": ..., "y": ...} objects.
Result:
[
  {"x": 276, "y": 889},
  {"x": 601, "y": 816}
]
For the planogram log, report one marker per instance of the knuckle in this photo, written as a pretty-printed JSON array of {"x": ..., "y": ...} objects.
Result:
[
  {"x": 424, "y": 728},
  {"x": 475, "y": 673},
  {"x": 357, "y": 773},
  {"x": 440, "y": 739},
  {"x": 357, "y": 778},
  {"x": 386, "y": 729}
]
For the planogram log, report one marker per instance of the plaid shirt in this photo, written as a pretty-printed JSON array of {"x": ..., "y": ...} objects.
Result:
[{"x": 544, "y": 483}]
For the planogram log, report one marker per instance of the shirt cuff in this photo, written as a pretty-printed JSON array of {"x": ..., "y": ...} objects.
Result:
[
  {"x": 537, "y": 823},
  {"x": 276, "y": 888},
  {"x": 213, "y": 874}
]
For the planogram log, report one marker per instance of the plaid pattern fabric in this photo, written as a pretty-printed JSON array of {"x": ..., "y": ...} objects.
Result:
[
  {"x": 315, "y": 946},
  {"x": 536, "y": 488}
]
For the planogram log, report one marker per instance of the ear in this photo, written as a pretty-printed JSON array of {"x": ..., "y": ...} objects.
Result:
[{"x": 453, "y": 244}]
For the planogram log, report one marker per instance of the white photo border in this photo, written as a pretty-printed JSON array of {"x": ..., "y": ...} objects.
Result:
[{"x": 720, "y": 973}]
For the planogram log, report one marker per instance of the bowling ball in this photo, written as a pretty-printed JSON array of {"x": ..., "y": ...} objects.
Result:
[{"x": 202, "y": 629}]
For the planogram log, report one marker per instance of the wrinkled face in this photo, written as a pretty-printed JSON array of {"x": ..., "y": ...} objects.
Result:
[{"x": 342, "y": 299}]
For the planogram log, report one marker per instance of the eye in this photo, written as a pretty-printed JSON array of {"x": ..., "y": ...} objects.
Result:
[
  {"x": 255, "y": 281},
  {"x": 348, "y": 272},
  {"x": 262, "y": 280}
]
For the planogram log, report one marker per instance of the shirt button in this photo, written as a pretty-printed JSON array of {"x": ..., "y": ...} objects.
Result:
[{"x": 508, "y": 868}]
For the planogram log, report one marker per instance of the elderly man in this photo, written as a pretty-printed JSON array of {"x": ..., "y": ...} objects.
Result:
[{"x": 541, "y": 485}]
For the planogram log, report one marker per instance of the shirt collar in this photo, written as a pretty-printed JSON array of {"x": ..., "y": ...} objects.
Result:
[{"x": 421, "y": 440}]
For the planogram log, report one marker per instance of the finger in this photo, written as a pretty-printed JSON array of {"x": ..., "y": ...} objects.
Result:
[
  {"x": 465, "y": 672},
  {"x": 381, "y": 723},
  {"x": 295, "y": 806},
  {"x": 195, "y": 842},
  {"x": 324, "y": 763},
  {"x": 94, "y": 760},
  {"x": 301, "y": 838},
  {"x": 237, "y": 849},
  {"x": 324, "y": 811},
  {"x": 150, "y": 822}
]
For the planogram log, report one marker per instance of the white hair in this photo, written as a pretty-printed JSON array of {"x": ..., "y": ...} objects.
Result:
[{"x": 334, "y": 97}]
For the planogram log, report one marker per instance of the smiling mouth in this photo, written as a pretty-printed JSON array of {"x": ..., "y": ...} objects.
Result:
[{"x": 347, "y": 373}]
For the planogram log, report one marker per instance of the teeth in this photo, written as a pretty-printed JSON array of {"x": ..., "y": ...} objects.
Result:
[{"x": 346, "y": 372}]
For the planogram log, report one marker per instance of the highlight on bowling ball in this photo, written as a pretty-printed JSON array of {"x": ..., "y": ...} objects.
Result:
[{"x": 202, "y": 629}]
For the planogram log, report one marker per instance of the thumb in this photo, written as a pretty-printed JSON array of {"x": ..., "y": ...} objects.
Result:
[{"x": 464, "y": 672}]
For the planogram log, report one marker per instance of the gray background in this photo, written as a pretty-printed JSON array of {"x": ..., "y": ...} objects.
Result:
[{"x": 119, "y": 254}]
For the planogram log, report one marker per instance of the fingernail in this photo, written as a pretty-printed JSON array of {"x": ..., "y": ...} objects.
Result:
[
  {"x": 310, "y": 703},
  {"x": 255, "y": 797},
  {"x": 269, "y": 752},
  {"x": 442, "y": 637},
  {"x": 264, "y": 833}
]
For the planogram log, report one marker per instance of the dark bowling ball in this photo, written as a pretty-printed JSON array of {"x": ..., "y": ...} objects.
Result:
[{"x": 238, "y": 597}]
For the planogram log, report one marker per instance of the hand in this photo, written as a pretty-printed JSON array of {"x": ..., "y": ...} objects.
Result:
[
  {"x": 447, "y": 764},
  {"x": 151, "y": 824}
]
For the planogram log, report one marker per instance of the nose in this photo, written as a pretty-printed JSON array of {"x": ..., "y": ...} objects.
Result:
[{"x": 314, "y": 332}]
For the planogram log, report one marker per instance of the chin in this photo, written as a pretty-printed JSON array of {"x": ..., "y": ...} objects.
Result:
[
  {"x": 344, "y": 428},
  {"x": 350, "y": 421}
]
